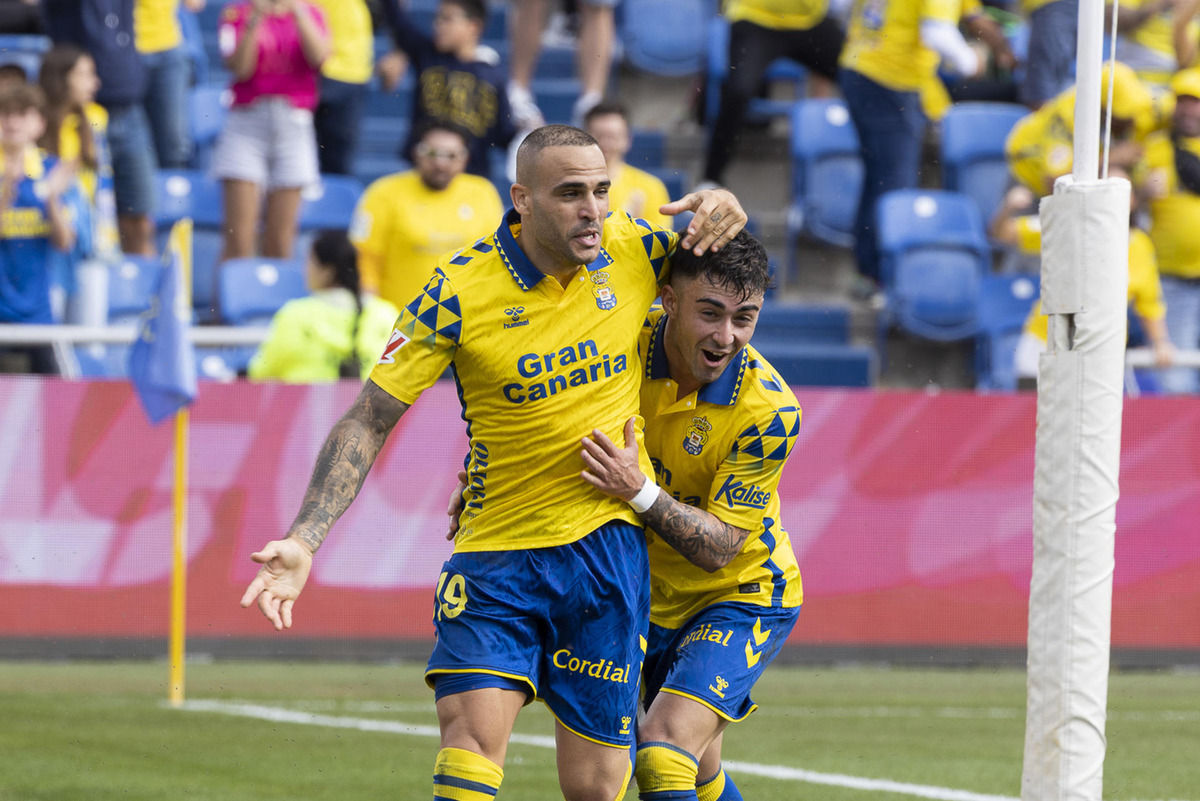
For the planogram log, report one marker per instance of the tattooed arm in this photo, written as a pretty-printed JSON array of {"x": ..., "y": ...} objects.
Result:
[
  {"x": 700, "y": 537},
  {"x": 342, "y": 466}
]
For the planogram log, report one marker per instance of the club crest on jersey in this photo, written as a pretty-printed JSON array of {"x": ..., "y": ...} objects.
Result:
[
  {"x": 395, "y": 343},
  {"x": 697, "y": 435},
  {"x": 514, "y": 315},
  {"x": 605, "y": 297}
]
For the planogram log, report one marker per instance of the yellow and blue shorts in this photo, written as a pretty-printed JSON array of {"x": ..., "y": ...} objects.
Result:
[
  {"x": 566, "y": 625},
  {"x": 717, "y": 656}
]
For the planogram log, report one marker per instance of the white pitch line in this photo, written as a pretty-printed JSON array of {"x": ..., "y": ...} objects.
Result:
[{"x": 283, "y": 715}]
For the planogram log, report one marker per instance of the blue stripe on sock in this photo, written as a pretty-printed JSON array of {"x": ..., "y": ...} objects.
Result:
[{"x": 463, "y": 784}]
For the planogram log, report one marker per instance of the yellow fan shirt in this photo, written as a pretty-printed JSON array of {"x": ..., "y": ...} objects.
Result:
[
  {"x": 156, "y": 25},
  {"x": 884, "y": 40},
  {"x": 402, "y": 227},
  {"x": 538, "y": 364},
  {"x": 352, "y": 57},
  {"x": 1173, "y": 216},
  {"x": 721, "y": 449},
  {"x": 780, "y": 15},
  {"x": 640, "y": 194}
]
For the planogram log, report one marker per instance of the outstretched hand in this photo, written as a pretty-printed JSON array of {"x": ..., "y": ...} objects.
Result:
[
  {"x": 718, "y": 218},
  {"x": 612, "y": 470},
  {"x": 285, "y": 567}
]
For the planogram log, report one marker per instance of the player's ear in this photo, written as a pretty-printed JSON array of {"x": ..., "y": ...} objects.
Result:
[
  {"x": 520, "y": 198},
  {"x": 669, "y": 300}
]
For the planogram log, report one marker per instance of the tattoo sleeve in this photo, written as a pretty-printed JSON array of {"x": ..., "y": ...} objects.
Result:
[
  {"x": 700, "y": 537},
  {"x": 344, "y": 461}
]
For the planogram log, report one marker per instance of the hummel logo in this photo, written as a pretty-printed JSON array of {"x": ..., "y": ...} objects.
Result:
[{"x": 514, "y": 314}]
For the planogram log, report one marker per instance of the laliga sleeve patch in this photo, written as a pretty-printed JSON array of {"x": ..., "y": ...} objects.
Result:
[{"x": 395, "y": 343}]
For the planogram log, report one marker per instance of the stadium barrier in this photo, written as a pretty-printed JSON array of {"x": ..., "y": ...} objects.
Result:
[{"x": 910, "y": 514}]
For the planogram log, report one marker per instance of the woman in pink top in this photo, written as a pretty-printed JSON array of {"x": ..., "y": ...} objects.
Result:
[{"x": 274, "y": 49}]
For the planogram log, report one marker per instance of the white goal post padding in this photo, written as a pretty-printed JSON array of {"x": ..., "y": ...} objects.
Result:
[{"x": 1085, "y": 252}]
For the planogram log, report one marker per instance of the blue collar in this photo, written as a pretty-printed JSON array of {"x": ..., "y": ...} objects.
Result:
[
  {"x": 722, "y": 392},
  {"x": 519, "y": 266}
]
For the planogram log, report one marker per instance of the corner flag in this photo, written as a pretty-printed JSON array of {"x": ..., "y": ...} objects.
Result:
[{"x": 162, "y": 362}]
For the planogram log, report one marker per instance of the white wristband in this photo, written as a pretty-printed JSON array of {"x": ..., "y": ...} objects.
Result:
[{"x": 646, "y": 496}]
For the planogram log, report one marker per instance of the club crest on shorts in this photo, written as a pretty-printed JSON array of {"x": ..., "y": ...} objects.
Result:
[
  {"x": 605, "y": 297},
  {"x": 697, "y": 435}
]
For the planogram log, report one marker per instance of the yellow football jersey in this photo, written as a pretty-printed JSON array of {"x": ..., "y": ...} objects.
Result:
[
  {"x": 156, "y": 25},
  {"x": 722, "y": 450},
  {"x": 884, "y": 40},
  {"x": 401, "y": 228},
  {"x": 780, "y": 15},
  {"x": 640, "y": 193},
  {"x": 1173, "y": 216},
  {"x": 538, "y": 365},
  {"x": 350, "y": 35},
  {"x": 1145, "y": 288}
]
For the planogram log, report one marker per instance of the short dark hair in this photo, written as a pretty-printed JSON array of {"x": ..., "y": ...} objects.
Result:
[
  {"x": 550, "y": 136},
  {"x": 741, "y": 266},
  {"x": 475, "y": 10},
  {"x": 21, "y": 97},
  {"x": 13, "y": 71},
  {"x": 432, "y": 124},
  {"x": 603, "y": 109}
]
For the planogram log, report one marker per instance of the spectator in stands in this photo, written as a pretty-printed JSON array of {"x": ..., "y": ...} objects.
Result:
[
  {"x": 760, "y": 32},
  {"x": 593, "y": 53},
  {"x": 275, "y": 49},
  {"x": 168, "y": 76},
  {"x": 1184, "y": 35},
  {"x": 1013, "y": 227},
  {"x": 343, "y": 90},
  {"x": 634, "y": 191},
  {"x": 335, "y": 332},
  {"x": 405, "y": 222},
  {"x": 1040, "y": 147},
  {"x": 1173, "y": 186},
  {"x": 453, "y": 85},
  {"x": 34, "y": 199},
  {"x": 11, "y": 72},
  {"x": 104, "y": 28},
  {"x": 20, "y": 16},
  {"x": 891, "y": 52},
  {"x": 76, "y": 133},
  {"x": 1050, "y": 61},
  {"x": 1145, "y": 39}
]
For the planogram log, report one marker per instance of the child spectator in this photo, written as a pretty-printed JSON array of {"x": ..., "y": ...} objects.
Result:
[
  {"x": 453, "y": 86},
  {"x": 76, "y": 134},
  {"x": 335, "y": 332},
  {"x": 274, "y": 48},
  {"x": 34, "y": 216}
]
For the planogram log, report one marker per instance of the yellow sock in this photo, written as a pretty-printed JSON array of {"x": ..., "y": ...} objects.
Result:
[
  {"x": 665, "y": 772},
  {"x": 711, "y": 790},
  {"x": 460, "y": 775}
]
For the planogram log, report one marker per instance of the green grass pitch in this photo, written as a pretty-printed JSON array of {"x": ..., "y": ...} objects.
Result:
[{"x": 95, "y": 731}]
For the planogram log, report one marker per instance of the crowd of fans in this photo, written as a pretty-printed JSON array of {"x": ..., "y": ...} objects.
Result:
[{"x": 84, "y": 138}]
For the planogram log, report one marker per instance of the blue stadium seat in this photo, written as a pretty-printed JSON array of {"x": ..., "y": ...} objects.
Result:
[
  {"x": 972, "y": 150},
  {"x": 193, "y": 44},
  {"x": 252, "y": 290},
  {"x": 933, "y": 256},
  {"x": 666, "y": 37},
  {"x": 131, "y": 283},
  {"x": 207, "y": 106},
  {"x": 207, "y": 244},
  {"x": 330, "y": 204},
  {"x": 760, "y": 109},
  {"x": 1004, "y": 304},
  {"x": 556, "y": 98},
  {"x": 804, "y": 364},
  {"x": 28, "y": 61},
  {"x": 804, "y": 323},
  {"x": 647, "y": 150},
  {"x": 188, "y": 193},
  {"x": 675, "y": 180},
  {"x": 827, "y": 173}
]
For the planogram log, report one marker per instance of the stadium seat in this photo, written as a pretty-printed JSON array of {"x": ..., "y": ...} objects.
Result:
[
  {"x": 207, "y": 244},
  {"x": 666, "y": 37},
  {"x": 207, "y": 107},
  {"x": 330, "y": 204},
  {"x": 252, "y": 290},
  {"x": 131, "y": 283},
  {"x": 827, "y": 173},
  {"x": 1004, "y": 304},
  {"x": 972, "y": 151},
  {"x": 805, "y": 364},
  {"x": 675, "y": 180},
  {"x": 188, "y": 193},
  {"x": 193, "y": 44},
  {"x": 647, "y": 150},
  {"x": 933, "y": 256},
  {"x": 761, "y": 109},
  {"x": 556, "y": 98},
  {"x": 804, "y": 323}
]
